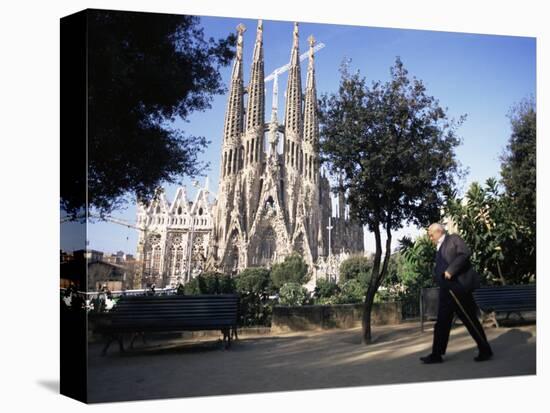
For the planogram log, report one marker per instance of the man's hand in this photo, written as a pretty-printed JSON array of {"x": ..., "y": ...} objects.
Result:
[{"x": 447, "y": 275}]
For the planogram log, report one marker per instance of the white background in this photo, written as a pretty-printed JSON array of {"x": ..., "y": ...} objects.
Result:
[{"x": 29, "y": 193}]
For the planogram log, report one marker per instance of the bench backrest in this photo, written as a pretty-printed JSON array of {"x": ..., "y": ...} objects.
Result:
[
  {"x": 507, "y": 298},
  {"x": 175, "y": 312}
]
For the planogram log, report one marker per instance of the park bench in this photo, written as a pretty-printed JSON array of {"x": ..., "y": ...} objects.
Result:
[
  {"x": 490, "y": 300},
  {"x": 506, "y": 299},
  {"x": 170, "y": 313}
]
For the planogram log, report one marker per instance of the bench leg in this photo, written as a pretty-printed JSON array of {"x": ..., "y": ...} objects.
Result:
[
  {"x": 226, "y": 337},
  {"x": 234, "y": 332},
  {"x": 120, "y": 340},
  {"x": 494, "y": 318},
  {"x": 109, "y": 341}
]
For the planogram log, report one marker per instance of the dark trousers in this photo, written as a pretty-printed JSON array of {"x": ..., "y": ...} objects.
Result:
[{"x": 448, "y": 307}]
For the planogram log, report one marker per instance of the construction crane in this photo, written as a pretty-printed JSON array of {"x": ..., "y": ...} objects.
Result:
[
  {"x": 275, "y": 76},
  {"x": 117, "y": 221},
  {"x": 127, "y": 224}
]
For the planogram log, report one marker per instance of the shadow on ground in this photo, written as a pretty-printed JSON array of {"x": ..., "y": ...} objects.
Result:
[
  {"x": 51, "y": 385},
  {"x": 333, "y": 358}
]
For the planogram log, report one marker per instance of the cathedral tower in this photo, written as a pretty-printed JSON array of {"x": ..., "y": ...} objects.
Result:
[
  {"x": 228, "y": 234},
  {"x": 253, "y": 140},
  {"x": 292, "y": 152},
  {"x": 310, "y": 156}
]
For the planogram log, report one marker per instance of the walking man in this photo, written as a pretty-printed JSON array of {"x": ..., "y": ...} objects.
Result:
[{"x": 457, "y": 280}]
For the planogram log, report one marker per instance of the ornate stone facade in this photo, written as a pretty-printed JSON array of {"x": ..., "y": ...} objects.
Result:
[
  {"x": 168, "y": 232},
  {"x": 269, "y": 204}
]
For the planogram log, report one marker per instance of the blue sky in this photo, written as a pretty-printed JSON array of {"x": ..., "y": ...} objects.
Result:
[{"x": 477, "y": 75}]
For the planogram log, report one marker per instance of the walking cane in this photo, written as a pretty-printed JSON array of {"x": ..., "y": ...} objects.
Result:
[{"x": 467, "y": 316}]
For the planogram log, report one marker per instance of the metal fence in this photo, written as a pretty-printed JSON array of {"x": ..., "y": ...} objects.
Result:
[{"x": 410, "y": 307}]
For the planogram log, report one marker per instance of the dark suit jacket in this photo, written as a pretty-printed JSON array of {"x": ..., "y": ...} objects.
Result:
[{"x": 454, "y": 257}]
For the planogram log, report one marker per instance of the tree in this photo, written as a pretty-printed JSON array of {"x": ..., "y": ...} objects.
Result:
[
  {"x": 394, "y": 146},
  {"x": 519, "y": 169},
  {"x": 254, "y": 280},
  {"x": 254, "y": 285},
  {"x": 416, "y": 264},
  {"x": 292, "y": 270},
  {"x": 356, "y": 268},
  {"x": 145, "y": 71},
  {"x": 503, "y": 248},
  {"x": 210, "y": 283}
]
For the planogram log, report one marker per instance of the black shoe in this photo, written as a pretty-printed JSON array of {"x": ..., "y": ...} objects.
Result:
[
  {"x": 431, "y": 359},
  {"x": 484, "y": 356}
]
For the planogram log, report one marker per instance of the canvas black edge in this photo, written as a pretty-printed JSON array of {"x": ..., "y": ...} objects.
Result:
[{"x": 73, "y": 176}]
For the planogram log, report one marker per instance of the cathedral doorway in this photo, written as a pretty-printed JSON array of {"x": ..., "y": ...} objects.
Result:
[{"x": 267, "y": 247}]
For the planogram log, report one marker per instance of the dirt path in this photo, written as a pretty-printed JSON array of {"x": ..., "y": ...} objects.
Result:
[{"x": 299, "y": 361}]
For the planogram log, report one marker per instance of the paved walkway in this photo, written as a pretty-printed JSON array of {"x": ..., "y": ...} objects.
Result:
[{"x": 299, "y": 361}]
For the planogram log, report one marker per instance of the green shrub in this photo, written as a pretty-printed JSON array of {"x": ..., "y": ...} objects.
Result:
[
  {"x": 254, "y": 285},
  {"x": 352, "y": 291},
  {"x": 254, "y": 280},
  {"x": 210, "y": 283},
  {"x": 292, "y": 294},
  {"x": 292, "y": 270},
  {"x": 356, "y": 267},
  {"x": 325, "y": 289}
]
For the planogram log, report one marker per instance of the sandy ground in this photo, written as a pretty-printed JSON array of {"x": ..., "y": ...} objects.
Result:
[{"x": 299, "y": 361}]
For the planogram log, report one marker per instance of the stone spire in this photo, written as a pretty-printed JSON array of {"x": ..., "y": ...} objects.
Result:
[
  {"x": 233, "y": 126},
  {"x": 293, "y": 153},
  {"x": 311, "y": 120},
  {"x": 234, "y": 112},
  {"x": 293, "y": 107},
  {"x": 256, "y": 102}
]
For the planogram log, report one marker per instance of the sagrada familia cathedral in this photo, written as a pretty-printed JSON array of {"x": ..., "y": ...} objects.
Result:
[{"x": 269, "y": 204}]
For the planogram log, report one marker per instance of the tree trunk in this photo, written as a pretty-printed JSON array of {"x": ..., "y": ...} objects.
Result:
[
  {"x": 369, "y": 300},
  {"x": 502, "y": 280},
  {"x": 376, "y": 279}
]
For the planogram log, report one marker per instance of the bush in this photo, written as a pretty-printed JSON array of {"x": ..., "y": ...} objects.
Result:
[
  {"x": 352, "y": 291},
  {"x": 254, "y": 281},
  {"x": 254, "y": 285},
  {"x": 325, "y": 289},
  {"x": 210, "y": 283},
  {"x": 357, "y": 267},
  {"x": 292, "y": 294},
  {"x": 292, "y": 270}
]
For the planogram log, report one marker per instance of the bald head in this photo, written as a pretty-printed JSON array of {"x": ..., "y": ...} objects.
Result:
[{"x": 435, "y": 232}]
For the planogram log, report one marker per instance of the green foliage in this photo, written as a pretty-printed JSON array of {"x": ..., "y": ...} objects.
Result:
[
  {"x": 292, "y": 293},
  {"x": 356, "y": 267},
  {"x": 394, "y": 147},
  {"x": 292, "y": 270},
  {"x": 210, "y": 283},
  {"x": 255, "y": 280},
  {"x": 518, "y": 167},
  {"x": 254, "y": 285},
  {"x": 326, "y": 289},
  {"x": 503, "y": 247},
  {"x": 352, "y": 291},
  {"x": 255, "y": 310},
  {"x": 227, "y": 285},
  {"x": 146, "y": 71},
  {"x": 415, "y": 264}
]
